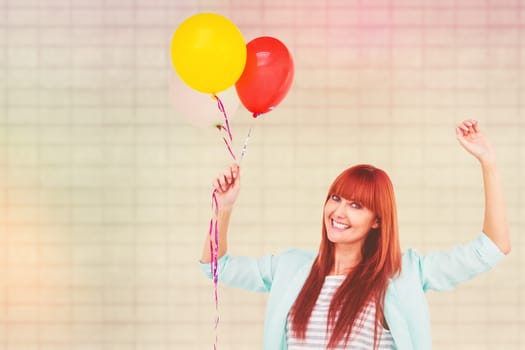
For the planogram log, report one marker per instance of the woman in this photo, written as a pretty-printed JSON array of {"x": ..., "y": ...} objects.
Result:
[{"x": 359, "y": 291}]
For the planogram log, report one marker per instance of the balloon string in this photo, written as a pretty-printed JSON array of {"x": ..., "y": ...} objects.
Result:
[
  {"x": 229, "y": 149},
  {"x": 228, "y": 139},
  {"x": 214, "y": 253},
  {"x": 245, "y": 144},
  {"x": 214, "y": 222},
  {"x": 223, "y": 111}
]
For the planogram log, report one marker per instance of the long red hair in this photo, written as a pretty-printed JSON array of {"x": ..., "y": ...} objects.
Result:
[{"x": 380, "y": 259}]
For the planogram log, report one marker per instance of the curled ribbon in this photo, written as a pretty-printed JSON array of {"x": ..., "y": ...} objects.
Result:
[
  {"x": 214, "y": 224},
  {"x": 214, "y": 253}
]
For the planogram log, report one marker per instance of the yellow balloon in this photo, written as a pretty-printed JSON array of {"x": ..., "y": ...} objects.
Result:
[{"x": 208, "y": 52}]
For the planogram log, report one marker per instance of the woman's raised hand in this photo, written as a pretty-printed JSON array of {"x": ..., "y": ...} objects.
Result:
[
  {"x": 227, "y": 187},
  {"x": 474, "y": 141}
]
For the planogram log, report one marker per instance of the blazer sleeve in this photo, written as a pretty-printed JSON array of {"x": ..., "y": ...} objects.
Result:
[
  {"x": 253, "y": 274},
  {"x": 445, "y": 270}
]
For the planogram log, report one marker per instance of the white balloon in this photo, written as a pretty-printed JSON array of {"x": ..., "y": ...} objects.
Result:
[{"x": 199, "y": 109}]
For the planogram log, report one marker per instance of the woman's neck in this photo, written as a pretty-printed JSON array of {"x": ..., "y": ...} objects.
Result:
[{"x": 345, "y": 260}]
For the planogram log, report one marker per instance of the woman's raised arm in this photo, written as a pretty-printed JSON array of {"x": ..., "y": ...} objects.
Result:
[{"x": 495, "y": 224}]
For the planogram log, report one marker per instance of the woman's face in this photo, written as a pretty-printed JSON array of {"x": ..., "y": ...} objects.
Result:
[{"x": 347, "y": 222}]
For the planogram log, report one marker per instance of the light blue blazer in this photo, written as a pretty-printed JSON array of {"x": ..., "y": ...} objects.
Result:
[{"x": 406, "y": 308}]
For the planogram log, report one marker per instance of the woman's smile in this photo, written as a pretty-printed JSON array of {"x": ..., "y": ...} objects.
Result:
[{"x": 339, "y": 225}]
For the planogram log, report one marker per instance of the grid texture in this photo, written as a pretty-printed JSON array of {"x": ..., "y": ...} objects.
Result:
[{"x": 105, "y": 187}]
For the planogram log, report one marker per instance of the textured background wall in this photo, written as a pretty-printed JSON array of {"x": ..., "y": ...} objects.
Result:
[{"x": 105, "y": 190}]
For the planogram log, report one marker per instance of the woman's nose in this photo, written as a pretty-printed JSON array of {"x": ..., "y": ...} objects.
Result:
[{"x": 339, "y": 210}]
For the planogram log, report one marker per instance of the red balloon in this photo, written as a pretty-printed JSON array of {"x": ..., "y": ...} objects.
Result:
[{"x": 267, "y": 75}]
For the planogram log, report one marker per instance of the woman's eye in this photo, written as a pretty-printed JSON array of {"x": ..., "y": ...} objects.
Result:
[
  {"x": 335, "y": 198},
  {"x": 356, "y": 205}
]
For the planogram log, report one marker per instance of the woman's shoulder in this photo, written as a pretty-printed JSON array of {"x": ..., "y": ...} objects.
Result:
[
  {"x": 294, "y": 258},
  {"x": 299, "y": 253},
  {"x": 410, "y": 255},
  {"x": 410, "y": 260},
  {"x": 293, "y": 264}
]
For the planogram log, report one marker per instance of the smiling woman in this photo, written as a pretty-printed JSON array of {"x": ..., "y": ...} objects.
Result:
[
  {"x": 360, "y": 242},
  {"x": 359, "y": 291}
]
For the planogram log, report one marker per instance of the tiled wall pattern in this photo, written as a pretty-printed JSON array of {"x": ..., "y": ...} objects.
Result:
[{"x": 105, "y": 189}]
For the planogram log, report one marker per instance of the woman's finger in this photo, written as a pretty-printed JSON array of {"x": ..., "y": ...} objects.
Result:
[
  {"x": 221, "y": 183},
  {"x": 234, "y": 168},
  {"x": 460, "y": 133},
  {"x": 227, "y": 179},
  {"x": 217, "y": 185},
  {"x": 230, "y": 176},
  {"x": 475, "y": 125}
]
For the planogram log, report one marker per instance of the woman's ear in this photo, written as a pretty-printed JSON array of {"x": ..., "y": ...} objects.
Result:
[{"x": 376, "y": 223}]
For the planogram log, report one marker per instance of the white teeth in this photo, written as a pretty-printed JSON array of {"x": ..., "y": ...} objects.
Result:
[{"x": 339, "y": 225}]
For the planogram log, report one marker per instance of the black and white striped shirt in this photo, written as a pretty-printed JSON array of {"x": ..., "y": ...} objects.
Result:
[{"x": 362, "y": 338}]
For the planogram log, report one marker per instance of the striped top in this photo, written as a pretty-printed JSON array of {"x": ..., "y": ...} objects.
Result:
[{"x": 316, "y": 336}]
